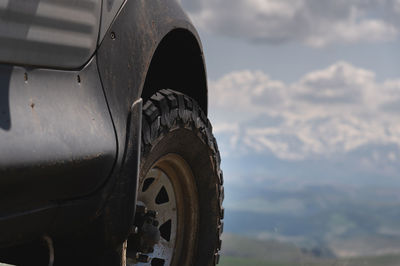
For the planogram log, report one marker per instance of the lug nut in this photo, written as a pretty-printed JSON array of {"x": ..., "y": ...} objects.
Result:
[
  {"x": 141, "y": 209},
  {"x": 135, "y": 230},
  {"x": 142, "y": 258},
  {"x": 153, "y": 213}
]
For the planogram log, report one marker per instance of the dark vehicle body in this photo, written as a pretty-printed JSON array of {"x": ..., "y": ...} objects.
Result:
[{"x": 73, "y": 76}]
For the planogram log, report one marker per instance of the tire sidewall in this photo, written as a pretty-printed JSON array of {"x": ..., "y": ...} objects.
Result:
[{"x": 186, "y": 143}]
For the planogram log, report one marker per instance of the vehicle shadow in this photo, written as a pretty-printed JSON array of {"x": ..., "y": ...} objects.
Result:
[{"x": 5, "y": 118}]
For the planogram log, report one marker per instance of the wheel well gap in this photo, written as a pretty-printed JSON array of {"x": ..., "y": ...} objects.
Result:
[{"x": 178, "y": 64}]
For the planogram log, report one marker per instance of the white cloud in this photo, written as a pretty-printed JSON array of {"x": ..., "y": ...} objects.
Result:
[
  {"x": 316, "y": 23},
  {"x": 331, "y": 111}
]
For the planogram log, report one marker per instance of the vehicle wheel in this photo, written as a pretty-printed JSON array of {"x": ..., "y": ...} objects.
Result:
[{"x": 180, "y": 190}]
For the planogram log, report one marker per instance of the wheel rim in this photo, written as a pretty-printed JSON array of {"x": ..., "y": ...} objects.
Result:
[
  {"x": 157, "y": 193},
  {"x": 168, "y": 188}
]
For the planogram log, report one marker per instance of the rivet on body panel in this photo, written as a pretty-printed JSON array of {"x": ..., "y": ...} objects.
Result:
[{"x": 32, "y": 104}]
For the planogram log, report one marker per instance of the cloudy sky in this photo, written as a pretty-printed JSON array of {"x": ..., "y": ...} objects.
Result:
[
  {"x": 303, "y": 95},
  {"x": 315, "y": 23},
  {"x": 303, "y": 79}
]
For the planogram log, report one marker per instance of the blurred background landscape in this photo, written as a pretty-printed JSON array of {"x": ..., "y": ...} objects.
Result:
[{"x": 304, "y": 96}]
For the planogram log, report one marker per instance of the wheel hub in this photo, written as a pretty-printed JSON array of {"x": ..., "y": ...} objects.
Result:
[
  {"x": 148, "y": 233},
  {"x": 155, "y": 222}
]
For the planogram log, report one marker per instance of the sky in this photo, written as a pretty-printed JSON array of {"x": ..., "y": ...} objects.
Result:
[{"x": 302, "y": 93}]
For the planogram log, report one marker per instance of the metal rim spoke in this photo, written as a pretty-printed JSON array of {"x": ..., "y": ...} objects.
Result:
[
  {"x": 152, "y": 190},
  {"x": 166, "y": 211}
]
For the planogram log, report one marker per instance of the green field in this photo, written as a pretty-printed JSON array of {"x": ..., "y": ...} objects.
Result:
[
  {"x": 388, "y": 260},
  {"x": 243, "y": 251},
  {"x": 227, "y": 261}
]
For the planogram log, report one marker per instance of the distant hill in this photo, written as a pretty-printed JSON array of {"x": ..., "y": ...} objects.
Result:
[{"x": 330, "y": 220}]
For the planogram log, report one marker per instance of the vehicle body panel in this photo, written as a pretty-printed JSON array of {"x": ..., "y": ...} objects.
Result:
[
  {"x": 109, "y": 12},
  {"x": 50, "y": 33},
  {"x": 57, "y": 139}
]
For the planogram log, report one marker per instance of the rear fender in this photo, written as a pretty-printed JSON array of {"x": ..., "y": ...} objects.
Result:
[{"x": 124, "y": 58}]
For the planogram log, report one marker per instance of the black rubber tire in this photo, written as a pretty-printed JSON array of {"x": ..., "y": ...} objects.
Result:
[{"x": 173, "y": 123}]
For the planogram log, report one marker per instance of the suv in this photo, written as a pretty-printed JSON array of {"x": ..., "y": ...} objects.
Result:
[{"x": 106, "y": 153}]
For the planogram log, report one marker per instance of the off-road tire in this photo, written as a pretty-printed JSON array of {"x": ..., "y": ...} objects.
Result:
[{"x": 173, "y": 123}]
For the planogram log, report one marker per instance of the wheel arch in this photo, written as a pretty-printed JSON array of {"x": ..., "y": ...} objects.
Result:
[{"x": 178, "y": 64}]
